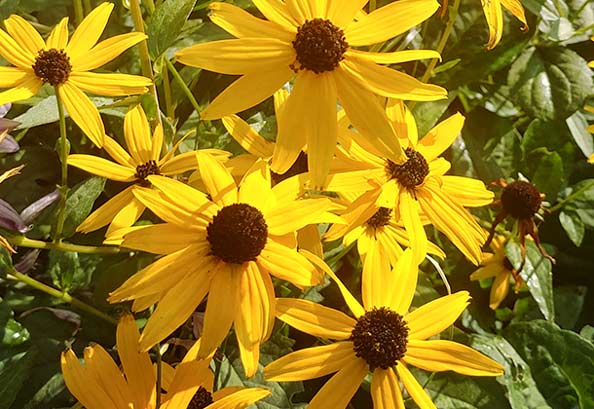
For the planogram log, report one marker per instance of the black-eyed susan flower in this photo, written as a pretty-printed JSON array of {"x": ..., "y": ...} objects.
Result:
[
  {"x": 418, "y": 188},
  {"x": 226, "y": 246},
  {"x": 382, "y": 337},
  {"x": 496, "y": 265},
  {"x": 66, "y": 65},
  {"x": 100, "y": 384},
  {"x": 494, "y": 15},
  {"x": 142, "y": 159},
  {"x": 315, "y": 43}
]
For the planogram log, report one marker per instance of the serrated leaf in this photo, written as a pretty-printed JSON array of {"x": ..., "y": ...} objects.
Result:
[
  {"x": 573, "y": 226},
  {"x": 80, "y": 201},
  {"x": 561, "y": 362},
  {"x": 166, "y": 24},
  {"x": 550, "y": 82},
  {"x": 12, "y": 378},
  {"x": 536, "y": 273}
]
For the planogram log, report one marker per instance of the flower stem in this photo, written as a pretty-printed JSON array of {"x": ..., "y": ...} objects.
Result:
[
  {"x": 61, "y": 246},
  {"x": 571, "y": 197},
  {"x": 169, "y": 108},
  {"x": 79, "y": 13},
  {"x": 65, "y": 297},
  {"x": 183, "y": 85},
  {"x": 64, "y": 150},
  {"x": 88, "y": 7}
]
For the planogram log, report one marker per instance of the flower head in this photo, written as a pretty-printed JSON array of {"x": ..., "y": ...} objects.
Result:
[
  {"x": 66, "y": 65},
  {"x": 382, "y": 337},
  {"x": 314, "y": 43}
]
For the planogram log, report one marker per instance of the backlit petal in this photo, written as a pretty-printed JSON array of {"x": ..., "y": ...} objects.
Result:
[
  {"x": 303, "y": 212},
  {"x": 394, "y": 57},
  {"x": 247, "y": 137},
  {"x": 494, "y": 16},
  {"x": 240, "y": 399},
  {"x": 440, "y": 137},
  {"x": 467, "y": 191},
  {"x": 107, "y": 212},
  {"x": 218, "y": 180},
  {"x": 409, "y": 211}
]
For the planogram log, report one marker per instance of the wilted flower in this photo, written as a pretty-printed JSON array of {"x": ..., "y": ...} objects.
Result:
[{"x": 7, "y": 143}]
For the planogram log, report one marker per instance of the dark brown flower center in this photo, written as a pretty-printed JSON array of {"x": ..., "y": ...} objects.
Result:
[
  {"x": 380, "y": 218},
  {"x": 237, "y": 233},
  {"x": 298, "y": 167},
  {"x": 521, "y": 199},
  {"x": 201, "y": 399},
  {"x": 319, "y": 45},
  {"x": 52, "y": 66},
  {"x": 412, "y": 172},
  {"x": 145, "y": 170},
  {"x": 380, "y": 337}
]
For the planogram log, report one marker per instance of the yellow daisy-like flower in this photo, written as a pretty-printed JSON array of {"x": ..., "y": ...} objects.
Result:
[
  {"x": 494, "y": 16},
  {"x": 383, "y": 338},
  {"x": 66, "y": 65},
  {"x": 497, "y": 265},
  {"x": 100, "y": 384},
  {"x": 227, "y": 247},
  {"x": 417, "y": 189},
  {"x": 144, "y": 159},
  {"x": 314, "y": 42}
]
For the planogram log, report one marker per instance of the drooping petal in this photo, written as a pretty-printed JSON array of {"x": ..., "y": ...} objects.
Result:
[
  {"x": 385, "y": 390},
  {"x": 89, "y": 30},
  {"x": 339, "y": 390},
  {"x": 110, "y": 84},
  {"x": 494, "y": 16},
  {"x": 249, "y": 139},
  {"x": 102, "y": 167},
  {"x": 515, "y": 7},
  {"x": 83, "y": 112},
  {"x": 218, "y": 180},
  {"x": 442, "y": 355},
  {"x": 314, "y": 319},
  {"x": 105, "y": 51},
  {"x": 311, "y": 363},
  {"x": 432, "y": 318},
  {"x": 58, "y": 37},
  {"x": 414, "y": 389},
  {"x": 287, "y": 264},
  {"x": 440, "y": 137},
  {"x": 24, "y": 34}
]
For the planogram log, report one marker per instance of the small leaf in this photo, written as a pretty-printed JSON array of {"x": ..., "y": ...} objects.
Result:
[
  {"x": 13, "y": 377},
  {"x": 577, "y": 125},
  {"x": 80, "y": 201},
  {"x": 166, "y": 23},
  {"x": 573, "y": 226},
  {"x": 12, "y": 333},
  {"x": 550, "y": 82},
  {"x": 536, "y": 273},
  {"x": 70, "y": 270}
]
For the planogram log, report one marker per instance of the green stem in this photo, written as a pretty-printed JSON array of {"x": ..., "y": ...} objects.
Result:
[
  {"x": 64, "y": 150},
  {"x": 23, "y": 241},
  {"x": 150, "y": 6},
  {"x": 79, "y": 13},
  {"x": 87, "y": 6},
  {"x": 62, "y": 296},
  {"x": 183, "y": 85},
  {"x": 169, "y": 109},
  {"x": 571, "y": 197}
]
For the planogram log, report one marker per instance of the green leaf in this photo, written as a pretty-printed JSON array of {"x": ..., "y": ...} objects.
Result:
[
  {"x": 536, "y": 273},
  {"x": 550, "y": 82},
  {"x": 166, "y": 23},
  {"x": 561, "y": 362},
  {"x": 549, "y": 175},
  {"x": 428, "y": 113},
  {"x": 569, "y": 303},
  {"x": 8, "y": 7},
  {"x": 12, "y": 333},
  {"x": 563, "y": 20},
  {"x": 577, "y": 125},
  {"x": 80, "y": 201},
  {"x": 573, "y": 226},
  {"x": 5, "y": 261},
  {"x": 70, "y": 270},
  {"x": 12, "y": 378}
]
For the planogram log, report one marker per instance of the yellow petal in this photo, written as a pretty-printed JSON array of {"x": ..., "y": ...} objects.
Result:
[
  {"x": 494, "y": 16},
  {"x": 254, "y": 188},
  {"x": 441, "y": 355},
  {"x": 14, "y": 53},
  {"x": 310, "y": 363},
  {"x": 488, "y": 271},
  {"x": 388, "y": 82},
  {"x": 302, "y": 212},
  {"x": 314, "y": 319},
  {"x": 83, "y": 112},
  {"x": 26, "y": 88},
  {"x": 186, "y": 198},
  {"x": 499, "y": 289},
  {"x": 277, "y": 12},
  {"x": 288, "y": 264},
  {"x": 24, "y": 34},
  {"x": 106, "y": 213},
  {"x": 403, "y": 283},
  {"x": 137, "y": 132},
  {"x": 341, "y": 13},
  {"x": 249, "y": 139},
  {"x": 126, "y": 217},
  {"x": 218, "y": 180},
  {"x": 118, "y": 153},
  {"x": 178, "y": 303},
  {"x": 375, "y": 288},
  {"x": 414, "y": 389},
  {"x": 247, "y": 91},
  {"x": 385, "y": 390},
  {"x": 239, "y": 23},
  {"x": 12, "y": 76},
  {"x": 403, "y": 121},
  {"x": 106, "y": 51},
  {"x": 102, "y": 167},
  {"x": 339, "y": 390},
  {"x": 189, "y": 376},
  {"x": 179, "y": 164},
  {"x": 101, "y": 366},
  {"x": 157, "y": 142},
  {"x": 440, "y": 137},
  {"x": 89, "y": 30},
  {"x": 164, "y": 238},
  {"x": 240, "y": 399},
  {"x": 58, "y": 37},
  {"x": 389, "y": 21},
  {"x": 432, "y": 318},
  {"x": 409, "y": 211},
  {"x": 466, "y": 191},
  {"x": 110, "y": 84},
  {"x": 395, "y": 57},
  {"x": 301, "y": 10}
]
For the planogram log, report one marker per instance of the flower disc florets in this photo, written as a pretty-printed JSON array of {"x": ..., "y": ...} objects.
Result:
[
  {"x": 237, "y": 233},
  {"x": 201, "y": 399},
  {"x": 412, "y": 172},
  {"x": 298, "y": 167},
  {"x": 145, "y": 170},
  {"x": 52, "y": 66},
  {"x": 380, "y": 337},
  {"x": 319, "y": 45},
  {"x": 521, "y": 199},
  {"x": 380, "y": 218}
]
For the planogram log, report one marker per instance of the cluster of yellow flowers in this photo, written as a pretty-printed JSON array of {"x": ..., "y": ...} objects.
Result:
[{"x": 238, "y": 222}]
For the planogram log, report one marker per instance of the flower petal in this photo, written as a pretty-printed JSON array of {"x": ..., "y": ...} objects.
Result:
[
  {"x": 441, "y": 137},
  {"x": 24, "y": 34},
  {"x": 494, "y": 16},
  {"x": 102, "y": 167},
  {"x": 409, "y": 211},
  {"x": 432, "y": 318},
  {"x": 341, "y": 13},
  {"x": 442, "y": 355},
  {"x": 89, "y": 31},
  {"x": 58, "y": 37},
  {"x": 467, "y": 191},
  {"x": 14, "y": 53},
  {"x": 376, "y": 270},
  {"x": 110, "y": 84},
  {"x": 106, "y": 51},
  {"x": 287, "y": 264},
  {"x": 254, "y": 188},
  {"x": 180, "y": 164},
  {"x": 277, "y": 12},
  {"x": 100, "y": 365},
  {"x": 12, "y": 76},
  {"x": 314, "y": 319},
  {"x": 240, "y": 399},
  {"x": 515, "y": 7},
  {"x": 395, "y": 57},
  {"x": 340, "y": 389},
  {"x": 301, "y": 10},
  {"x": 414, "y": 389},
  {"x": 218, "y": 180},
  {"x": 107, "y": 212},
  {"x": 115, "y": 150},
  {"x": 184, "y": 197},
  {"x": 303, "y": 212},
  {"x": 239, "y": 23},
  {"x": 403, "y": 283},
  {"x": 164, "y": 238},
  {"x": 83, "y": 112},
  {"x": 249, "y": 139},
  {"x": 499, "y": 289},
  {"x": 385, "y": 390},
  {"x": 137, "y": 132},
  {"x": 26, "y": 88}
]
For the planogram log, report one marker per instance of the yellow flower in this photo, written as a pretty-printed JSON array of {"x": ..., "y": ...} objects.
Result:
[
  {"x": 227, "y": 247},
  {"x": 494, "y": 16},
  {"x": 497, "y": 265},
  {"x": 315, "y": 42},
  {"x": 66, "y": 65},
  {"x": 100, "y": 384},
  {"x": 418, "y": 188},
  {"x": 144, "y": 158},
  {"x": 383, "y": 338}
]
